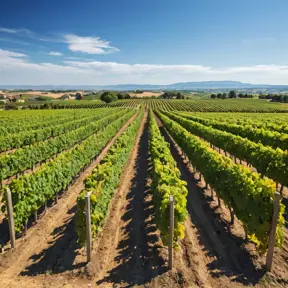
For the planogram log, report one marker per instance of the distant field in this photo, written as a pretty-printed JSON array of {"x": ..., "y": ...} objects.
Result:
[
  {"x": 146, "y": 94},
  {"x": 36, "y": 93},
  {"x": 32, "y": 94}
]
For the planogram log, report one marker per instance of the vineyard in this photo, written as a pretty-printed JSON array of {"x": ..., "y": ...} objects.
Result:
[
  {"x": 228, "y": 105},
  {"x": 114, "y": 195}
]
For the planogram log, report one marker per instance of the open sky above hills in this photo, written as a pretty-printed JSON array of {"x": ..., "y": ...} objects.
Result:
[{"x": 151, "y": 42}]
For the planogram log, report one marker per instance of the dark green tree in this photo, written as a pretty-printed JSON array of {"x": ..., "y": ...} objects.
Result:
[
  {"x": 120, "y": 96},
  {"x": 179, "y": 96},
  {"x": 108, "y": 96},
  {"x": 232, "y": 94}
]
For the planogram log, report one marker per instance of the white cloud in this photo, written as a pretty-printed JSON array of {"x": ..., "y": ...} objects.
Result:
[
  {"x": 7, "y": 30},
  {"x": 20, "y": 30},
  {"x": 10, "y": 57},
  {"x": 53, "y": 53},
  {"x": 23, "y": 32},
  {"x": 15, "y": 68},
  {"x": 72, "y": 58},
  {"x": 90, "y": 45},
  {"x": 120, "y": 68},
  {"x": 18, "y": 63},
  {"x": 6, "y": 54}
]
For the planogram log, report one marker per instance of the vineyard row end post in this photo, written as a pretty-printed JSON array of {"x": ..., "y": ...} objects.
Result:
[
  {"x": 11, "y": 218},
  {"x": 88, "y": 226},
  {"x": 171, "y": 233},
  {"x": 272, "y": 236}
]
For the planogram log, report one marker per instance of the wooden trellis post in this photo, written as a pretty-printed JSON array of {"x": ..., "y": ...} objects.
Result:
[
  {"x": 88, "y": 226},
  {"x": 10, "y": 218},
  {"x": 272, "y": 236},
  {"x": 171, "y": 233}
]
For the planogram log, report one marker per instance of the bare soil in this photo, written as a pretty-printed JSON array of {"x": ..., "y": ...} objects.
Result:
[
  {"x": 49, "y": 256},
  {"x": 230, "y": 261},
  {"x": 146, "y": 94},
  {"x": 41, "y": 93},
  {"x": 129, "y": 251},
  {"x": 130, "y": 248}
]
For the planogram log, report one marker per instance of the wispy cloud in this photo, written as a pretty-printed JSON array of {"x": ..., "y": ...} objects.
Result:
[
  {"x": 19, "y": 30},
  {"x": 15, "y": 41},
  {"x": 121, "y": 68},
  {"x": 6, "y": 54},
  {"x": 79, "y": 59},
  {"x": 90, "y": 45},
  {"x": 76, "y": 43},
  {"x": 258, "y": 41},
  {"x": 23, "y": 32},
  {"x": 7, "y": 30},
  {"x": 18, "y": 64},
  {"x": 54, "y": 53},
  {"x": 19, "y": 70}
]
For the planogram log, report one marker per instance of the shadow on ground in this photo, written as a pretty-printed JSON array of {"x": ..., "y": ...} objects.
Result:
[
  {"x": 285, "y": 202},
  {"x": 137, "y": 261},
  {"x": 60, "y": 255},
  {"x": 231, "y": 259}
]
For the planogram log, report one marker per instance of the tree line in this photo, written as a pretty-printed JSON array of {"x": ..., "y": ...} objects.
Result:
[
  {"x": 275, "y": 98},
  {"x": 172, "y": 95},
  {"x": 231, "y": 94},
  {"x": 110, "y": 96}
]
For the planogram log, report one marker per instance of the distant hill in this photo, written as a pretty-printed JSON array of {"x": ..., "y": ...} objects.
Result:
[
  {"x": 176, "y": 86},
  {"x": 210, "y": 85}
]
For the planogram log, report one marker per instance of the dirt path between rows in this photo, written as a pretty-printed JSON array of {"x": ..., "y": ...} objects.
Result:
[
  {"x": 130, "y": 249},
  {"x": 280, "y": 258},
  {"x": 122, "y": 230},
  {"x": 49, "y": 255},
  {"x": 129, "y": 245},
  {"x": 229, "y": 260}
]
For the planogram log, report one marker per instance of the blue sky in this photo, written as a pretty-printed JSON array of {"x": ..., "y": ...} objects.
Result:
[{"x": 134, "y": 41}]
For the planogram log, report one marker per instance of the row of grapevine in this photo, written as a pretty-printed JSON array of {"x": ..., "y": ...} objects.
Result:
[
  {"x": 273, "y": 122},
  {"x": 15, "y": 121},
  {"x": 267, "y": 161},
  {"x": 27, "y": 117},
  {"x": 250, "y": 197},
  {"x": 133, "y": 103},
  {"x": 31, "y": 191},
  {"x": 19, "y": 126},
  {"x": 28, "y": 156},
  {"x": 165, "y": 182},
  {"x": 266, "y": 137},
  {"x": 238, "y": 105},
  {"x": 251, "y": 117},
  {"x": 229, "y": 105},
  {"x": 103, "y": 181},
  {"x": 21, "y": 139}
]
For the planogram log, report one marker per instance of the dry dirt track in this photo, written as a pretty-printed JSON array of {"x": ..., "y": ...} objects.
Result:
[
  {"x": 132, "y": 258},
  {"x": 130, "y": 248}
]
